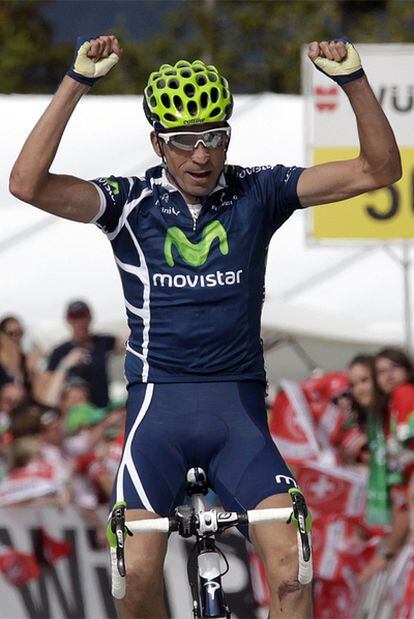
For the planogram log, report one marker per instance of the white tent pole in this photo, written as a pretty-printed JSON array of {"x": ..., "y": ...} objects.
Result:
[{"x": 406, "y": 264}]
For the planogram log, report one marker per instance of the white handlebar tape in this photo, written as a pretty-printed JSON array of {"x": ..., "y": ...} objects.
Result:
[
  {"x": 152, "y": 525},
  {"x": 118, "y": 581},
  {"x": 305, "y": 567},
  {"x": 272, "y": 514}
]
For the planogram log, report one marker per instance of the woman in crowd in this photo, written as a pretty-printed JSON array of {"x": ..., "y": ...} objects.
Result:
[
  {"x": 15, "y": 365},
  {"x": 384, "y": 500}
]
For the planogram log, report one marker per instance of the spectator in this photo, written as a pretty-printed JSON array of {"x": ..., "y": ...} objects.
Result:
[
  {"x": 11, "y": 395},
  {"x": 386, "y": 501},
  {"x": 74, "y": 391},
  {"x": 30, "y": 479},
  {"x": 15, "y": 365},
  {"x": 92, "y": 366}
]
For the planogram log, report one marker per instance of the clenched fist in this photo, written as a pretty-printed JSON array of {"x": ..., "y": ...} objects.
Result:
[
  {"x": 338, "y": 59},
  {"x": 94, "y": 58}
]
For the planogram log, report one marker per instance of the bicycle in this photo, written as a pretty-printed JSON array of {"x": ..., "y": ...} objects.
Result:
[{"x": 203, "y": 567}]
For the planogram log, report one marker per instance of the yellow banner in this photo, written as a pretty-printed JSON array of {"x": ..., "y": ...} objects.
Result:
[{"x": 384, "y": 214}]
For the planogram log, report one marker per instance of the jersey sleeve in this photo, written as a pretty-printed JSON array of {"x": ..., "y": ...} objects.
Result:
[
  {"x": 114, "y": 192},
  {"x": 278, "y": 188}
]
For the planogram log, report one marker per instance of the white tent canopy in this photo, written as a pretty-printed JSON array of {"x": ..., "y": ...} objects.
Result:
[{"x": 347, "y": 295}]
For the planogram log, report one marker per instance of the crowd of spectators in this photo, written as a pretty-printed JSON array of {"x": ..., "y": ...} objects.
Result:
[
  {"x": 347, "y": 436},
  {"x": 60, "y": 435}
]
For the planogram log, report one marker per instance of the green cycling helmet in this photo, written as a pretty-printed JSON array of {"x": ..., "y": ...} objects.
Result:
[{"x": 188, "y": 93}]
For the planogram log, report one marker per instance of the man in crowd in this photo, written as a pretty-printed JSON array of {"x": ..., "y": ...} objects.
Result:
[
  {"x": 190, "y": 240},
  {"x": 89, "y": 362}
]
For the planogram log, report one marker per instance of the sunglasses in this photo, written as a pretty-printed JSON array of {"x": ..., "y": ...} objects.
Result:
[
  {"x": 188, "y": 140},
  {"x": 14, "y": 332}
]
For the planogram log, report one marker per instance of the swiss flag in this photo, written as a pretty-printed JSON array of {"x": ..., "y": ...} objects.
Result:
[
  {"x": 53, "y": 549},
  {"x": 291, "y": 426},
  {"x": 18, "y": 568},
  {"x": 333, "y": 491}
]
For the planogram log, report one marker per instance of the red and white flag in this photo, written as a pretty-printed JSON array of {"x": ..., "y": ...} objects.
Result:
[
  {"x": 18, "y": 568},
  {"x": 291, "y": 426}
]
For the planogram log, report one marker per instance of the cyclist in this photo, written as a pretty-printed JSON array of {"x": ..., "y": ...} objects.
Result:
[{"x": 190, "y": 241}]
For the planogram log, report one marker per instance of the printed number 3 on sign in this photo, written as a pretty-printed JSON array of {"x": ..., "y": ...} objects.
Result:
[{"x": 384, "y": 214}]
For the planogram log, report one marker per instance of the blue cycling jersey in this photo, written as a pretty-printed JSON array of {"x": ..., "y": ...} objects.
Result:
[{"x": 194, "y": 288}]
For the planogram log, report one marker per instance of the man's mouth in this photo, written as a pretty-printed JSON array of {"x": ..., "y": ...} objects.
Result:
[{"x": 199, "y": 176}]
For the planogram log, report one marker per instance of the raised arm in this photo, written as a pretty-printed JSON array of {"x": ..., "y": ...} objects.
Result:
[
  {"x": 30, "y": 179},
  {"x": 378, "y": 163}
]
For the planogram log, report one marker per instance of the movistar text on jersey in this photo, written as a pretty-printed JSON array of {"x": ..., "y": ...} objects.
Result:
[{"x": 210, "y": 280}]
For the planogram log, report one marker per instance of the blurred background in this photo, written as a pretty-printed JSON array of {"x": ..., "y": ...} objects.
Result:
[{"x": 62, "y": 323}]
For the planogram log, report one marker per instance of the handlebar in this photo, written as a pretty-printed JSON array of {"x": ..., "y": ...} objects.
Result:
[{"x": 187, "y": 523}]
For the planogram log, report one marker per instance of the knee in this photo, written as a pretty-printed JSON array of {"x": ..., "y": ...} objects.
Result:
[
  {"x": 143, "y": 578},
  {"x": 281, "y": 563}
]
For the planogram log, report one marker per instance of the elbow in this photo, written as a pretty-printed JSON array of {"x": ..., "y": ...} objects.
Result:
[
  {"x": 21, "y": 190},
  {"x": 388, "y": 174}
]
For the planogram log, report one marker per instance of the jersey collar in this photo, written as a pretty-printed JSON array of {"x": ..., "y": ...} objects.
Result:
[{"x": 168, "y": 186}]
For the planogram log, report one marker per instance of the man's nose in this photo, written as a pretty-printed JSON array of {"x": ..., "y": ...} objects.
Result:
[{"x": 200, "y": 153}]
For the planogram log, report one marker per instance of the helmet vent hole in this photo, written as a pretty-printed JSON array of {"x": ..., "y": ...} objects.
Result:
[
  {"x": 149, "y": 91},
  {"x": 192, "y": 108},
  {"x": 153, "y": 102},
  {"x": 215, "y": 112},
  {"x": 178, "y": 103},
  {"x": 204, "y": 100},
  {"x": 185, "y": 73},
  {"x": 201, "y": 80},
  {"x": 182, "y": 63},
  {"x": 171, "y": 72},
  {"x": 170, "y": 117},
  {"x": 189, "y": 90},
  {"x": 172, "y": 83},
  {"x": 156, "y": 76},
  {"x": 214, "y": 94},
  {"x": 212, "y": 77},
  {"x": 165, "y": 99},
  {"x": 197, "y": 69},
  {"x": 161, "y": 84}
]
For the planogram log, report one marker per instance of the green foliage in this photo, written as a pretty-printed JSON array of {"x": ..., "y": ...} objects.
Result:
[{"x": 255, "y": 43}]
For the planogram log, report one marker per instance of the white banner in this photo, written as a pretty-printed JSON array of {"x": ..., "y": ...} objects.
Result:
[{"x": 78, "y": 587}]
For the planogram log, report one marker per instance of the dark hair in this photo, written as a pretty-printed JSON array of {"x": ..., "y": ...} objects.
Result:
[
  {"x": 399, "y": 357},
  {"x": 380, "y": 400},
  {"x": 5, "y": 320}
]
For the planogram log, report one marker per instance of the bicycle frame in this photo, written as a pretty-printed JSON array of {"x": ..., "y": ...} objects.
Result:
[{"x": 204, "y": 571}]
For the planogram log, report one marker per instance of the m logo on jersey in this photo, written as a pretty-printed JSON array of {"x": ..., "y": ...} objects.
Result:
[{"x": 195, "y": 254}]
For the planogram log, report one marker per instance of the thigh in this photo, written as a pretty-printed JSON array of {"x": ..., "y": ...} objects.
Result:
[
  {"x": 151, "y": 474},
  {"x": 249, "y": 468},
  {"x": 144, "y": 553}
]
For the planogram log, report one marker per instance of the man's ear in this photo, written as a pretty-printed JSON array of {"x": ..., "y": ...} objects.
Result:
[{"x": 156, "y": 144}]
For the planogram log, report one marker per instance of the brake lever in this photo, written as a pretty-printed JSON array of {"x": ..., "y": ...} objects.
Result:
[
  {"x": 301, "y": 515},
  {"x": 119, "y": 528}
]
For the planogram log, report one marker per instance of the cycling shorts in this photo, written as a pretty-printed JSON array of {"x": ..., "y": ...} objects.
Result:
[{"x": 221, "y": 427}]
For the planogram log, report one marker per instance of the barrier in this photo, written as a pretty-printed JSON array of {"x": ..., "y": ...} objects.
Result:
[{"x": 77, "y": 586}]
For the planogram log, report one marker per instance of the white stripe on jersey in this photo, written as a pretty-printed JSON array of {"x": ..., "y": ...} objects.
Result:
[
  {"x": 127, "y": 209},
  {"x": 144, "y": 312}
]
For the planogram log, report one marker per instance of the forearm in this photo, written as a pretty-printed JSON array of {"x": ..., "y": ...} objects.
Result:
[
  {"x": 399, "y": 532},
  {"x": 379, "y": 152},
  {"x": 54, "y": 386},
  {"x": 32, "y": 166}
]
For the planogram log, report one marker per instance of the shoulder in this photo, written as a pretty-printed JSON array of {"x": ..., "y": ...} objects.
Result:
[
  {"x": 63, "y": 348},
  {"x": 403, "y": 392},
  {"x": 104, "y": 340}
]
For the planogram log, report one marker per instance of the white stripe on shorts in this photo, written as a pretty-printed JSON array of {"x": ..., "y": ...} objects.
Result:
[{"x": 127, "y": 461}]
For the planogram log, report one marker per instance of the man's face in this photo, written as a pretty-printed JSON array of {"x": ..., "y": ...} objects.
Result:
[
  {"x": 196, "y": 171},
  {"x": 80, "y": 325}
]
